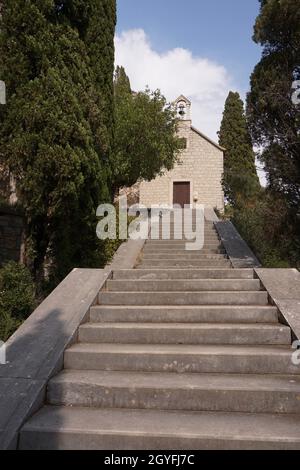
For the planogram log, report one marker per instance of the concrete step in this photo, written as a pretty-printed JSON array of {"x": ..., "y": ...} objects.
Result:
[
  {"x": 213, "y": 263},
  {"x": 183, "y": 298},
  {"x": 178, "y": 235},
  {"x": 186, "y": 232},
  {"x": 164, "y": 246},
  {"x": 182, "y": 333},
  {"x": 184, "y": 242},
  {"x": 182, "y": 251},
  {"x": 165, "y": 274},
  {"x": 179, "y": 243},
  {"x": 186, "y": 255},
  {"x": 224, "y": 359},
  {"x": 188, "y": 225},
  {"x": 184, "y": 285},
  {"x": 188, "y": 220},
  {"x": 208, "y": 238},
  {"x": 66, "y": 428},
  {"x": 152, "y": 241},
  {"x": 165, "y": 391},
  {"x": 157, "y": 314}
]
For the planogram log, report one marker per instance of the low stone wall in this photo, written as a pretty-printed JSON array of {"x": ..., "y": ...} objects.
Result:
[
  {"x": 283, "y": 286},
  {"x": 236, "y": 248},
  {"x": 35, "y": 352},
  {"x": 11, "y": 236}
]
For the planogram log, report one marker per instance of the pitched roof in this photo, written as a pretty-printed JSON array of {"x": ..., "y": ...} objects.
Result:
[
  {"x": 208, "y": 139},
  {"x": 182, "y": 98}
]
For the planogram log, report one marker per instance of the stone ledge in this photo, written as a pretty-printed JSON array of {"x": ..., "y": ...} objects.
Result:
[
  {"x": 35, "y": 352},
  {"x": 237, "y": 249},
  {"x": 19, "y": 399},
  {"x": 127, "y": 255},
  {"x": 210, "y": 215},
  {"x": 283, "y": 286}
]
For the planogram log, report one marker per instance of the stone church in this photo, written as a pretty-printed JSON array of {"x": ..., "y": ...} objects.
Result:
[{"x": 197, "y": 177}]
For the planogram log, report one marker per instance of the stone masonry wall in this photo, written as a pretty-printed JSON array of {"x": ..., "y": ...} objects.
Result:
[{"x": 202, "y": 164}]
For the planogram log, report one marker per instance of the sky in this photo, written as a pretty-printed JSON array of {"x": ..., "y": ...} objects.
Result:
[{"x": 199, "y": 48}]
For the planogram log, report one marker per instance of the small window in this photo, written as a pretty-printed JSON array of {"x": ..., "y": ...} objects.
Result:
[{"x": 183, "y": 143}]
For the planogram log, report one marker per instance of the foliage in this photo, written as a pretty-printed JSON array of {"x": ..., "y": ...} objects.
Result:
[
  {"x": 266, "y": 225},
  {"x": 272, "y": 225},
  {"x": 240, "y": 181},
  {"x": 145, "y": 141},
  {"x": 111, "y": 246},
  {"x": 7, "y": 208},
  {"x": 55, "y": 136},
  {"x": 122, "y": 85},
  {"x": 17, "y": 297},
  {"x": 273, "y": 116}
]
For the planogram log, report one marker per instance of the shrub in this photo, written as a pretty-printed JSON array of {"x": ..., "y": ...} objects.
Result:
[
  {"x": 17, "y": 297},
  {"x": 266, "y": 226},
  {"x": 111, "y": 246}
]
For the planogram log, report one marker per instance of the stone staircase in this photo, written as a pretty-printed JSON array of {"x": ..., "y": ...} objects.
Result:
[{"x": 182, "y": 352}]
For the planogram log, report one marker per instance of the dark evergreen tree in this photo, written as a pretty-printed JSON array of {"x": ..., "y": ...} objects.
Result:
[
  {"x": 95, "y": 22},
  {"x": 240, "y": 179},
  {"x": 100, "y": 41},
  {"x": 121, "y": 83},
  {"x": 273, "y": 115},
  {"x": 56, "y": 128},
  {"x": 271, "y": 224}
]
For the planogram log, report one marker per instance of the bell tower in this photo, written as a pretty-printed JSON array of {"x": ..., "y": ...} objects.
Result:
[{"x": 183, "y": 108}]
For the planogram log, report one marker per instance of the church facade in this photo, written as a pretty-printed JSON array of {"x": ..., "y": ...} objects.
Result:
[{"x": 197, "y": 177}]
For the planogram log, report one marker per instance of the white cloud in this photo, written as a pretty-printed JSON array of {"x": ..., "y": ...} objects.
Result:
[
  {"x": 260, "y": 169},
  {"x": 176, "y": 72},
  {"x": 262, "y": 177}
]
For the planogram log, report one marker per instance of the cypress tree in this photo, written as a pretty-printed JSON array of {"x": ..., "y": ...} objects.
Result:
[
  {"x": 95, "y": 22},
  {"x": 56, "y": 128},
  {"x": 100, "y": 43},
  {"x": 273, "y": 116},
  {"x": 240, "y": 179},
  {"x": 121, "y": 83}
]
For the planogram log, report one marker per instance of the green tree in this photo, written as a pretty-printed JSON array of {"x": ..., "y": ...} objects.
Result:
[
  {"x": 273, "y": 116},
  {"x": 145, "y": 141},
  {"x": 96, "y": 21},
  {"x": 56, "y": 128},
  {"x": 271, "y": 224},
  {"x": 17, "y": 298},
  {"x": 240, "y": 179},
  {"x": 121, "y": 83}
]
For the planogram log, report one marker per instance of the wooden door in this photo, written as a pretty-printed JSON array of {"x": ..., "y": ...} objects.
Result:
[{"x": 182, "y": 194}]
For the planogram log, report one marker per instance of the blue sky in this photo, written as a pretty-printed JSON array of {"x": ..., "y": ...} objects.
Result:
[
  {"x": 218, "y": 29},
  {"x": 201, "y": 48}
]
